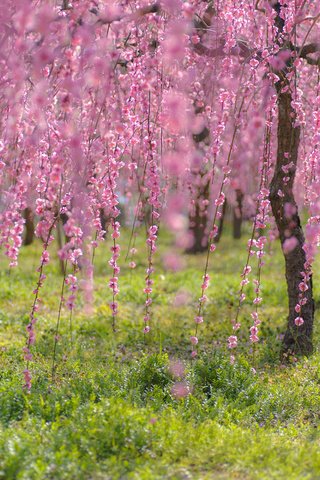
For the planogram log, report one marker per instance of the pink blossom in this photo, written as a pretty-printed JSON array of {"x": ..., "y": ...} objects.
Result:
[
  {"x": 180, "y": 390},
  {"x": 198, "y": 319},
  {"x": 177, "y": 368},
  {"x": 299, "y": 321},
  {"x": 289, "y": 244},
  {"x": 232, "y": 341}
]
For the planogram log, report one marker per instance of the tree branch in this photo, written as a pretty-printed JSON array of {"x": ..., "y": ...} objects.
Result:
[
  {"x": 259, "y": 9},
  {"x": 140, "y": 12},
  {"x": 242, "y": 49},
  {"x": 313, "y": 61},
  {"x": 310, "y": 48}
]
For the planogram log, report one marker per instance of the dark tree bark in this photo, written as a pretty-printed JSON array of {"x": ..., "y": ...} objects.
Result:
[
  {"x": 29, "y": 226},
  {"x": 297, "y": 339},
  {"x": 221, "y": 221},
  {"x": 237, "y": 214},
  {"x": 198, "y": 222},
  {"x": 64, "y": 218},
  {"x": 104, "y": 221}
]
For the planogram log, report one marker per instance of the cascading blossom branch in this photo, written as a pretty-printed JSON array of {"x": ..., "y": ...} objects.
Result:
[{"x": 161, "y": 107}]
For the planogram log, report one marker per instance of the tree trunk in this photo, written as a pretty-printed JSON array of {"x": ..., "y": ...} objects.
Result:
[
  {"x": 29, "y": 235},
  {"x": 237, "y": 215},
  {"x": 297, "y": 339},
  {"x": 221, "y": 221},
  {"x": 60, "y": 244},
  {"x": 64, "y": 218},
  {"x": 198, "y": 222},
  {"x": 104, "y": 221}
]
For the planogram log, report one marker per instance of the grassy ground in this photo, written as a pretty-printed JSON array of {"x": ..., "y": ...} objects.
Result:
[{"x": 111, "y": 413}]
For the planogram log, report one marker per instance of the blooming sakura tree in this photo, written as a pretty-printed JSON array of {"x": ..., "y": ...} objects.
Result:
[{"x": 173, "y": 106}]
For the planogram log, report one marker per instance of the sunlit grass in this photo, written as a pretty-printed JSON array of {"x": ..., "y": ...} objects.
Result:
[{"x": 110, "y": 411}]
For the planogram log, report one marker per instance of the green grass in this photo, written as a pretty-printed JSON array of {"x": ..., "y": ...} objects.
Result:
[{"x": 110, "y": 412}]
